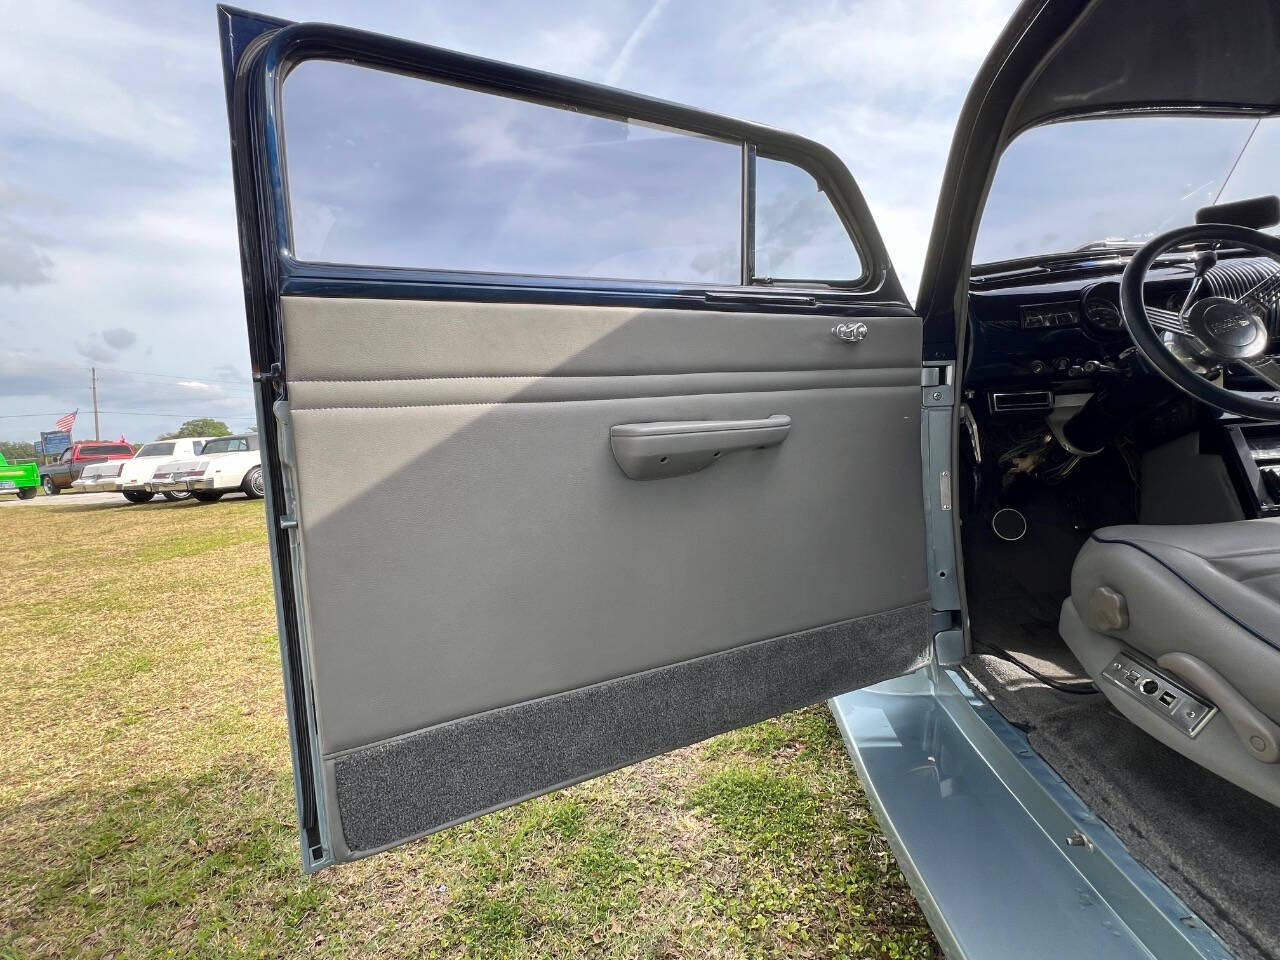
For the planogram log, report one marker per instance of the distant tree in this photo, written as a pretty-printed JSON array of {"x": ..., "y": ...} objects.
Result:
[
  {"x": 17, "y": 450},
  {"x": 203, "y": 427}
]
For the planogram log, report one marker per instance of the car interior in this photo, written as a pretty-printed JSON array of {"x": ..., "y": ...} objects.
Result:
[{"x": 1121, "y": 537}]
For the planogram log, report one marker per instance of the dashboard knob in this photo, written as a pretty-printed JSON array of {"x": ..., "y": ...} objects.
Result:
[
  {"x": 1038, "y": 367},
  {"x": 1092, "y": 366},
  {"x": 1062, "y": 364}
]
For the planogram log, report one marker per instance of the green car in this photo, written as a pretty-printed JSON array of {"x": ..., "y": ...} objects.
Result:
[{"x": 20, "y": 478}]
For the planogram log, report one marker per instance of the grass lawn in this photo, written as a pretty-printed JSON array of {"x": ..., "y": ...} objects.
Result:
[{"x": 146, "y": 799}]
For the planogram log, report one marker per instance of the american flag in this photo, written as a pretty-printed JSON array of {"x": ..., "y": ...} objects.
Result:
[{"x": 67, "y": 422}]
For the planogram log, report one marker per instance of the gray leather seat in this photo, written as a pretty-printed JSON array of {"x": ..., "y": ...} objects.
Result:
[{"x": 1200, "y": 604}]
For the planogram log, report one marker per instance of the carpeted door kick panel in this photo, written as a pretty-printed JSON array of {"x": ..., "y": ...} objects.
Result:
[{"x": 424, "y": 781}]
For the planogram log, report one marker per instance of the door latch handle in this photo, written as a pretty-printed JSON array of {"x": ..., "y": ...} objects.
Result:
[
  {"x": 651, "y": 451},
  {"x": 853, "y": 332}
]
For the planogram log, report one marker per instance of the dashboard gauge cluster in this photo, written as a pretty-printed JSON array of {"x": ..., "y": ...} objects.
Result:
[{"x": 1101, "y": 307}]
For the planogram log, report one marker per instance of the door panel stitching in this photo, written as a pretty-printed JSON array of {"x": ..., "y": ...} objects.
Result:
[{"x": 604, "y": 376}]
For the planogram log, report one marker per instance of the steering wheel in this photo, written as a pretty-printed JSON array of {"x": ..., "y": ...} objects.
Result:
[{"x": 1191, "y": 347}]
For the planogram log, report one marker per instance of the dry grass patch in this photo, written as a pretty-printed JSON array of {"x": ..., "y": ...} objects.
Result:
[{"x": 146, "y": 802}]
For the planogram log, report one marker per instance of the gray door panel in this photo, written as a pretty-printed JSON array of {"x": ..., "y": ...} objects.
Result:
[
  {"x": 488, "y": 574},
  {"x": 472, "y": 291},
  {"x": 331, "y": 339}
]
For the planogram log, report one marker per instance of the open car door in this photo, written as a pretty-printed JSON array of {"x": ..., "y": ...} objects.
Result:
[{"x": 591, "y": 425}]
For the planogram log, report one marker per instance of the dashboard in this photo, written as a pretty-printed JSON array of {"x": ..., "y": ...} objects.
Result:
[
  {"x": 1053, "y": 331},
  {"x": 1066, "y": 325}
]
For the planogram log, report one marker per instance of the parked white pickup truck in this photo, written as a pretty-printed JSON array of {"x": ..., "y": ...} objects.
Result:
[
  {"x": 224, "y": 465},
  {"x": 131, "y": 477}
]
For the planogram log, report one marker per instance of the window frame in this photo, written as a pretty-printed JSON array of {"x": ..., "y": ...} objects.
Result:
[
  {"x": 295, "y": 45},
  {"x": 794, "y": 281}
]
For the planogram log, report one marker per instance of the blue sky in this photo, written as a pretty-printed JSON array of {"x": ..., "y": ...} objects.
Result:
[{"x": 117, "y": 225}]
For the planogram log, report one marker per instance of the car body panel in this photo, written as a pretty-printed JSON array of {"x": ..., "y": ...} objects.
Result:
[
  {"x": 133, "y": 474},
  {"x": 21, "y": 475},
  {"x": 64, "y": 471},
  {"x": 207, "y": 472},
  {"x": 99, "y": 477}
]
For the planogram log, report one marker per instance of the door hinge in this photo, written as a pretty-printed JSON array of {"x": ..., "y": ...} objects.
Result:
[{"x": 272, "y": 377}]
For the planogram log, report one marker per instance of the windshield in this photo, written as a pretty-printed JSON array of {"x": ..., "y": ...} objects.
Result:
[
  {"x": 1064, "y": 186},
  {"x": 155, "y": 450}
]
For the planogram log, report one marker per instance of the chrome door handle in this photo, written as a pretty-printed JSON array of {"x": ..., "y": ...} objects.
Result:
[{"x": 854, "y": 332}]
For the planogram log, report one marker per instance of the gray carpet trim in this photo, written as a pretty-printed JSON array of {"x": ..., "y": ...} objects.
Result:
[
  {"x": 421, "y": 782},
  {"x": 1215, "y": 845}
]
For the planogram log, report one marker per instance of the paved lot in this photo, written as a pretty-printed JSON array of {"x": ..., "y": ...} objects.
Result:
[
  {"x": 63, "y": 499},
  {"x": 83, "y": 499}
]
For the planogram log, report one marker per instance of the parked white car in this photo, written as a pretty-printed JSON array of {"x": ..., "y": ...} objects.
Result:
[
  {"x": 224, "y": 465},
  {"x": 131, "y": 477}
]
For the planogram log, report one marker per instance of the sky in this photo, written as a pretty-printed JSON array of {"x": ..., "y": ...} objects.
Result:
[{"x": 117, "y": 221}]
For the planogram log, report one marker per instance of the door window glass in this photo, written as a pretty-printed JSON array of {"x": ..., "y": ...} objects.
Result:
[
  {"x": 227, "y": 445},
  {"x": 385, "y": 169},
  {"x": 799, "y": 234}
]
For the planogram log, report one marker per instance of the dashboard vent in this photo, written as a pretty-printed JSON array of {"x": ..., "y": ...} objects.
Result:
[{"x": 1022, "y": 401}]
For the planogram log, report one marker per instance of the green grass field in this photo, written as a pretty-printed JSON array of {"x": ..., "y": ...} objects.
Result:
[{"x": 146, "y": 800}]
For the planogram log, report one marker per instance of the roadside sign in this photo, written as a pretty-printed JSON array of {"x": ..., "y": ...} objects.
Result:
[{"x": 53, "y": 442}]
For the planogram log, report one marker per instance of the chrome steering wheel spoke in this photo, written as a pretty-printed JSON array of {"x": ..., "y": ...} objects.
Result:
[
  {"x": 1168, "y": 320},
  {"x": 1264, "y": 297}
]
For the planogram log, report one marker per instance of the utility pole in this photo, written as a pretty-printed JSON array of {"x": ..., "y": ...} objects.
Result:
[{"x": 93, "y": 373}]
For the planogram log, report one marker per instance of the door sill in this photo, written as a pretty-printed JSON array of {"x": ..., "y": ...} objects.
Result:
[{"x": 1004, "y": 858}]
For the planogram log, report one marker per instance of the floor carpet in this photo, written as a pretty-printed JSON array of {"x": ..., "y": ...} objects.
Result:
[{"x": 1215, "y": 845}]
